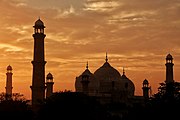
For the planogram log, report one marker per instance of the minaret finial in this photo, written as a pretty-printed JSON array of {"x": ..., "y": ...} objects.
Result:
[
  {"x": 39, "y": 17},
  {"x": 123, "y": 71},
  {"x": 87, "y": 65},
  {"x": 106, "y": 57}
]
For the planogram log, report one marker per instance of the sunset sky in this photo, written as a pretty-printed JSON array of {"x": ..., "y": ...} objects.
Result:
[{"x": 136, "y": 34}]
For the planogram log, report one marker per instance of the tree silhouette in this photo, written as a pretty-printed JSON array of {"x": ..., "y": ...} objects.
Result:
[
  {"x": 165, "y": 103},
  {"x": 162, "y": 105},
  {"x": 15, "y": 108},
  {"x": 168, "y": 92}
]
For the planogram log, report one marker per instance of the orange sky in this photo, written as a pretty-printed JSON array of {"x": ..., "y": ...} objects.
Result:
[{"x": 136, "y": 34}]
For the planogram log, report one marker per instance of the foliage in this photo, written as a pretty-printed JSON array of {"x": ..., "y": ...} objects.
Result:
[
  {"x": 162, "y": 105},
  {"x": 168, "y": 92},
  {"x": 14, "y": 97},
  {"x": 14, "y": 107}
]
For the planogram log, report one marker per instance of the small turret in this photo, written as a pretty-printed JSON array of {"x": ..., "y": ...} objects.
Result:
[
  {"x": 85, "y": 80},
  {"x": 49, "y": 85},
  {"x": 146, "y": 89},
  {"x": 169, "y": 69}
]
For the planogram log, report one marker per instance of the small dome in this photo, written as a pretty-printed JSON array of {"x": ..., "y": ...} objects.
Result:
[
  {"x": 92, "y": 86},
  {"x": 145, "y": 82},
  {"x": 169, "y": 57},
  {"x": 87, "y": 72},
  {"x": 127, "y": 85},
  {"x": 9, "y": 67},
  {"x": 39, "y": 23},
  {"x": 49, "y": 76}
]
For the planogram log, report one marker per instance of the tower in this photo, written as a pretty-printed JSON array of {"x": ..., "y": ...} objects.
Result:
[
  {"x": 49, "y": 85},
  {"x": 169, "y": 69},
  {"x": 146, "y": 89},
  {"x": 38, "y": 75},
  {"x": 9, "y": 81}
]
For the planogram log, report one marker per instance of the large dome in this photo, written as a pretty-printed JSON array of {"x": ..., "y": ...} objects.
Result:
[
  {"x": 109, "y": 78},
  {"x": 107, "y": 72}
]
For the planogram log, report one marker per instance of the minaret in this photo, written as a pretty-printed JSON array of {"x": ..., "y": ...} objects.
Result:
[
  {"x": 49, "y": 85},
  {"x": 9, "y": 81},
  {"x": 146, "y": 89},
  {"x": 38, "y": 75},
  {"x": 169, "y": 69}
]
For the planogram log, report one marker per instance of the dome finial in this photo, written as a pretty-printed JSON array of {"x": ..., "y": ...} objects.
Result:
[
  {"x": 87, "y": 65},
  {"x": 123, "y": 71},
  {"x": 106, "y": 57}
]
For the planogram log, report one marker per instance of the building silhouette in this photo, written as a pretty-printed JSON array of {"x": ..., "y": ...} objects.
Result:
[
  {"x": 38, "y": 75},
  {"x": 106, "y": 84}
]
